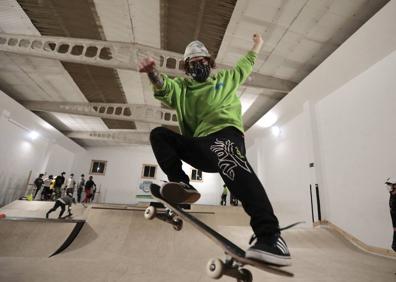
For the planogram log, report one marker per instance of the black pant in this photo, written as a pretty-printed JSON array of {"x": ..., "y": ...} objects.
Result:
[
  {"x": 45, "y": 194},
  {"x": 222, "y": 152},
  {"x": 79, "y": 192},
  {"x": 56, "y": 206},
  {"x": 70, "y": 191},
  {"x": 35, "y": 192},
  {"x": 392, "y": 206},
  {"x": 223, "y": 200}
]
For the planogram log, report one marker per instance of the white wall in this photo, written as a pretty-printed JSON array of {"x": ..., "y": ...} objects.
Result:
[
  {"x": 357, "y": 138},
  {"x": 123, "y": 174},
  {"x": 19, "y": 154},
  {"x": 284, "y": 166},
  {"x": 341, "y": 117}
]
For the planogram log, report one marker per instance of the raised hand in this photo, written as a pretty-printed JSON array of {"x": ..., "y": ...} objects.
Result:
[
  {"x": 257, "y": 43},
  {"x": 257, "y": 38},
  {"x": 146, "y": 65}
]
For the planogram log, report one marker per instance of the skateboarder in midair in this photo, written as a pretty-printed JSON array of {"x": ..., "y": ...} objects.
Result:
[
  {"x": 62, "y": 202},
  {"x": 212, "y": 140}
]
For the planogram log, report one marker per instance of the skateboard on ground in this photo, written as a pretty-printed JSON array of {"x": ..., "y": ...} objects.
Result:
[{"x": 235, "y": 257}]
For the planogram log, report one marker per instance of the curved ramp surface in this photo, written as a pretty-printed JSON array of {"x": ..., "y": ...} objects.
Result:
[
  {"x": 34, "y": 237},
  {"x": 121, "y": 246}
]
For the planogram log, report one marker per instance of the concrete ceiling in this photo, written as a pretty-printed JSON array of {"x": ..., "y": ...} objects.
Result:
[{"x": 298, "y": 35}]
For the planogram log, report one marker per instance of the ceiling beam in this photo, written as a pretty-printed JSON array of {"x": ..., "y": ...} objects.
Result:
[
  {"x": 118, "y": 55},
  {"x": 114, "y": 136},
  {"x": 130, "y": 112},
  {"x": 198, "y": 24}
]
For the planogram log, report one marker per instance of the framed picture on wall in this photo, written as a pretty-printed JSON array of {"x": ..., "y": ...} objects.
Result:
[
  {"x": 98, "y": 167},
  {"x": 148, "y": 171}
]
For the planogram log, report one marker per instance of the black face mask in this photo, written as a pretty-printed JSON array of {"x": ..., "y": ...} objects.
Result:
[{"x": 199, "y": 71}]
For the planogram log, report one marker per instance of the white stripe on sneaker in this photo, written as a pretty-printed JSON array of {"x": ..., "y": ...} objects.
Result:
[{"x": 281, "y": 247}]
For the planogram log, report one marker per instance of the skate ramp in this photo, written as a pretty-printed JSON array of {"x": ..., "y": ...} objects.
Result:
[
  {"x": 32, "y": 237},
  {"x": 120, "y": 245},
  {"x": 25, "y": 232},
  {"x": 111, "y": 234},
  {"x": 129, "y": 248}
]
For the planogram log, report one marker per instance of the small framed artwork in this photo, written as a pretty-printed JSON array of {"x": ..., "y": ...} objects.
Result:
[{"x": 98, "y": 167}]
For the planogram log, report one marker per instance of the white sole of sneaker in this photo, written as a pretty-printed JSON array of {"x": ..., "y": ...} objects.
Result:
[
  {"x": 175, "y": 193},
  {"x": 268, "y": 257}
]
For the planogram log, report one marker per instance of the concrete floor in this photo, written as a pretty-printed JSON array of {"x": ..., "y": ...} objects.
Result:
[{"x": 120, "y": 245}]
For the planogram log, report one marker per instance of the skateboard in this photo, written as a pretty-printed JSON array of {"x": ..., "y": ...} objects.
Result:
[{"x": 235, "y": 257}]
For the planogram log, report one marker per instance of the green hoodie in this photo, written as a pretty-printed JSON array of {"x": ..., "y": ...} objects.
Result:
[{"x": 206, "y": 107}]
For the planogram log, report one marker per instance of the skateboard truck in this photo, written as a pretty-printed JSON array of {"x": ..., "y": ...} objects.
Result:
[
  {"x": 167, "y": 216},
  {"x": 216, "y": 268}
]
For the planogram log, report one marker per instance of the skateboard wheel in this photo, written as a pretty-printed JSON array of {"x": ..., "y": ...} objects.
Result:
[
  {"x": 246, "y": 275},
  {"x": 215, "y": 268},
  {"x": 178, "y": 224},
  {"x": 150, "y": 213}
]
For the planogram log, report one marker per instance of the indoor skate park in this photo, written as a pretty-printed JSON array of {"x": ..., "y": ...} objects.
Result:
[{"x": 317, "y": 111}]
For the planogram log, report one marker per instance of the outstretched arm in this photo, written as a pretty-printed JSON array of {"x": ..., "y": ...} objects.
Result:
[
  {"x": 147, "y": 65},
  {"x": 165, "y": 89},
  {"x": 257, "y": 43},
  {"x": 245, "y": 65}
]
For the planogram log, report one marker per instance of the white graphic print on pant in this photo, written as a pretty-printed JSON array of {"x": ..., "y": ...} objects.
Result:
[{"x": 229, "y": 157}]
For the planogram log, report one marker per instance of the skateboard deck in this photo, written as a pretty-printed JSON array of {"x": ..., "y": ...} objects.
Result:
[{"x": 235, "y": 255}]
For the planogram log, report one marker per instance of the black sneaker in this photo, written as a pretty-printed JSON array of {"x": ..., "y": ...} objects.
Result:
[
  {"x": 179, "y": 193},
  {"x": 273, "y": 251}
]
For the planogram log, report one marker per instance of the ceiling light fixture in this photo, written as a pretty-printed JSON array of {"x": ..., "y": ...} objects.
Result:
[
  {"x": 33, "y": 135},
  {"x": 267, "y": 120},
  {"x": 276, "y": 131}
]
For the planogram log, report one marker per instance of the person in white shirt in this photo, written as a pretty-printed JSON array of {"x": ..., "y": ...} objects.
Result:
[
  {"x": 46, "y": 193},
  {"x": 70, "y": 184}
]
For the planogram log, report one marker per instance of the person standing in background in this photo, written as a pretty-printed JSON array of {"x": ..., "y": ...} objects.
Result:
[
  {"x": 93, "y": 193},
  {"x": 70, "y": 184},
  {"x": 233, "y": 199},
  {"x": 224, "y": 196},
  {"x": 46, "y": 193},
  {"x": 81, "y": 185},
  {"x": 38, "y": 182},
  {"x": 88, "y": 189},
  {"x": 391, "y": 185},
  {"x": 59, "y": 180}
]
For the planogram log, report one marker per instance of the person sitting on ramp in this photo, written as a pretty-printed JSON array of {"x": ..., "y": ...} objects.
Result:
[{"x": 62, "y": 202}]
